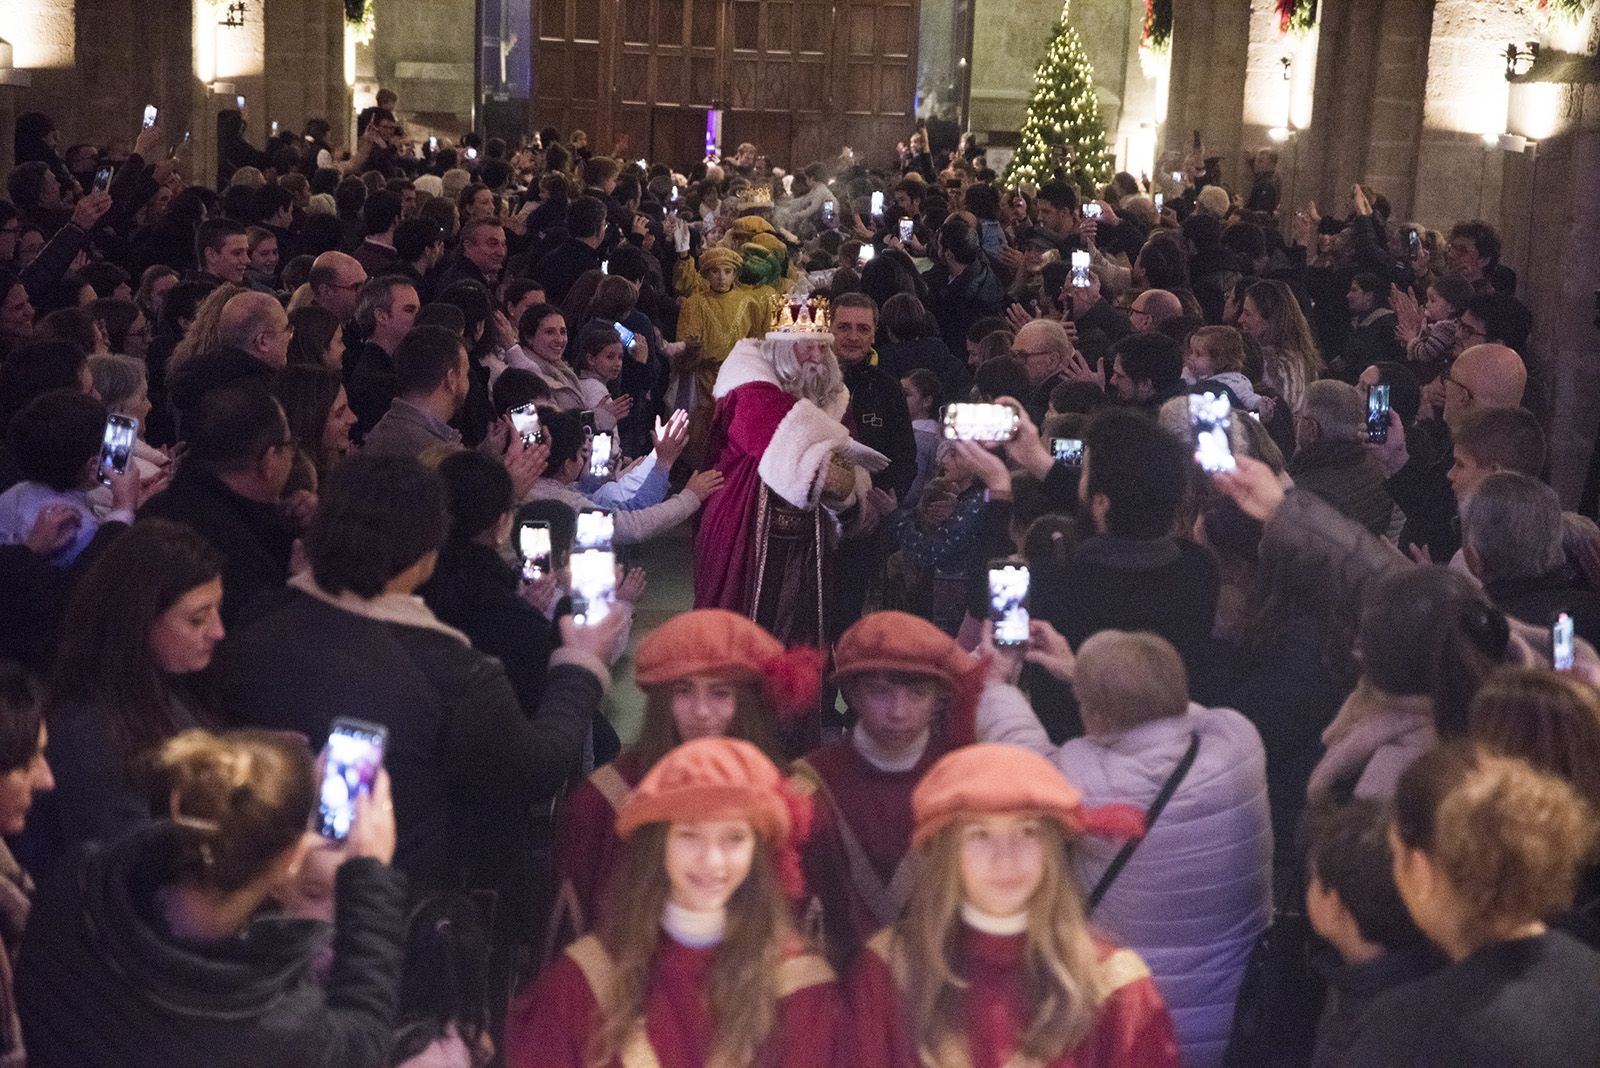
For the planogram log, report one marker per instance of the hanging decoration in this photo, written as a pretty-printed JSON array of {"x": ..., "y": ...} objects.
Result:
[
  {"x": 359, "y": 17},
  {"x": 1063, "y": 135},
  {"x": 1569, "y": 10},
  {"x": 1296, "y": 16},
  {"x": 1157, "y": 25}
]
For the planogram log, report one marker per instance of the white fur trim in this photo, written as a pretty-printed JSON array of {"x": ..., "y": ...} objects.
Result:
[
  {"x": 746, "y": 363},
  {"x": 795, "y": 461}
]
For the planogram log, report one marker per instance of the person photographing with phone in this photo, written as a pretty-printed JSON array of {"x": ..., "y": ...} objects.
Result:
[{"x": 164, "y": 947}]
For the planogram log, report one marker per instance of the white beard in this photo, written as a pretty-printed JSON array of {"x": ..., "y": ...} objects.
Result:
[{"x": 815, "y": 382}]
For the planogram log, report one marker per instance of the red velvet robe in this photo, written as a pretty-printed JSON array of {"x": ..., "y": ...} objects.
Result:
[
  {"x": 588, "y": 849},
  {"x": 552, "y": 1020},
  {"x": 856, "y": 862},
  {"x": 1132, "y": 1030}
]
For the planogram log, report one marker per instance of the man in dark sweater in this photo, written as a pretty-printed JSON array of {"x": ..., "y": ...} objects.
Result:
[
  {"x": 1131, "y": 573},
  {"x": 1331, "y": 458},
  {"x": 580, "y": 252}
]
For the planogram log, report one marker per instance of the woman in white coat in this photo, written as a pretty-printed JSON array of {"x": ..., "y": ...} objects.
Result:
[{"x": 1196, "y": 893}]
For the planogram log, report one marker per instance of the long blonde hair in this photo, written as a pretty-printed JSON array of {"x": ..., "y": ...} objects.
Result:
[
  {"x": 206, "y": 329},
  {"x": 1292, "y": 361},
  {"x": 743, "y": 989},
  {"x": 1062, "y": 983}
]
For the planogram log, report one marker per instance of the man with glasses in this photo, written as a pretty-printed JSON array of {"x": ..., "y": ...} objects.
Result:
[
  {"x": 252, "y": 344},
  {"x": 1152, "y": 308},
  {"x": 336, "y": 280},
  {"x": 1043, "y": 348},
  {"x": 230, "y": 486}
]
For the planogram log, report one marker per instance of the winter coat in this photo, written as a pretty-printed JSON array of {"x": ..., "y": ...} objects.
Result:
[
  {"x": 1344, "y": 475},
  {"x": 468, "y": 763},
  {"x": 1371, "y": 742},
  {"x": 960, "y": 302},
  {"x": 101, "y": 981},
  {"x": 1197, "y": 892}
]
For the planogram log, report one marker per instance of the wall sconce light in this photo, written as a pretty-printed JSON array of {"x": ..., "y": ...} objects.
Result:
[
  {"x": 1281, "y": 134},
  {"x": 1515, "y": 58},
  {"x": 233, "y": 15},
  {"x": 9, "y": 74},
  {"x": 1287, "y": 62}
]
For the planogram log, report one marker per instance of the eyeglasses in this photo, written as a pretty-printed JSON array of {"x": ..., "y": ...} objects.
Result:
[
  {"x": 1447, "y": 380},
  {"x": 1025, "y": 355}
]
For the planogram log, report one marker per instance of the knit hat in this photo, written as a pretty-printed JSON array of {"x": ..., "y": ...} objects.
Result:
[
  {"x": 989, "y": 778},
  {"x": 724, "y": 778},
  {"x": 712, "y": 641},
  {"x": 909, "y": 645},
  {"x": 717, "y": 256}
]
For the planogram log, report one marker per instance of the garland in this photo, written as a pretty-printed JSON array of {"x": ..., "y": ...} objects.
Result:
[
  {"x": 1157, "y": 25},
  {"x": 359, "y": 18},
  {"x": 1296, "y": 16},
  {"x": 1570, "y": 10}
]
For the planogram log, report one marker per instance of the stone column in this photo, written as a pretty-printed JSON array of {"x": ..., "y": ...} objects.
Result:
[{"x": 1210, "y": 47}]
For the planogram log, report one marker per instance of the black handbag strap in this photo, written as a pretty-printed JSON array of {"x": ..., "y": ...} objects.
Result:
[{"x": 1152, "y": 814}]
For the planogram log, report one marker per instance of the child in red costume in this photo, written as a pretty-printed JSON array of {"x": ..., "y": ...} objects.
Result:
[
  {"x": 699, "y": 963},
  {"x": 705, "y": 674},
  {"x": 911, "y": 692},
  {"x": 993, "y": 962}
]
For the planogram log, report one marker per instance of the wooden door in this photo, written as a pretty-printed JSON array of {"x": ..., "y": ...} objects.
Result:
[{"x": 799, "y": 78}]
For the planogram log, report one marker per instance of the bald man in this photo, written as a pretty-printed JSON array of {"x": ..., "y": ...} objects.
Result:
[
  {"x": 1484, "y": 376},
  {"x": 336, "y": 280},
  {"x": 1152, "y": 308},
  {"x": 1043, "y": 347},
  {"x": 252, "y": 344}
]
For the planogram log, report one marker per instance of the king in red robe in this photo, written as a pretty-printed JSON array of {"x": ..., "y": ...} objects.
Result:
[{"x": 763, "y": 543}]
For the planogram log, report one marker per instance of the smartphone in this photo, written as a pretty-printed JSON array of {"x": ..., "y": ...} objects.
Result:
[
  {"x": 867, "y": 252},
  {"x": 980, "y": 422},
  {"x": 274, "y": 127},
  {"x": 1161, "y": 201},
  {"x": 433, "y": 144},
  {"x": 1210, "y": 418},
  {"x": 625, "y": 335},
  {"x": 1091, "y": 210},
  {"x": 1080, "y": 271},
  {"x": 642, "y": 165},
  {"x": 600, "y": 456},
  {"x": 351, "y": 762},
  {"x": 150, "y": 113},
  {"x": 472, "y": 153},
  {"x": 533, "y": 546},
  {"x": 116, "y": 445},
  {"x": 877, "y": 204},
  {"x": 595, "y": 529},
  {"x": 525, "y": 421},
  {"x": 1413, "y": 242},
  {"x": 830, "y": 214},
  {"x": 594, "y": 584},
  {"x": 605, "y": 266},
  {"x": 1378, "y": 414},
  {"x": 1177, "y": 176},
  {"x": 102, "y": 178},
  {"x": 238, "y": 102},
  {"x": 907, "y": 228},
  {"x": 1008, "y": 602},
  {"x": 672, "y": 196},
  {"x": 1561, "y": 642},
  {"x": 1067, "y": 451}
]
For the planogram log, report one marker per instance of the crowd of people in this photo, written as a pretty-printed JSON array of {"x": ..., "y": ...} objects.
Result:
[{"x": 1294, "y": 759}]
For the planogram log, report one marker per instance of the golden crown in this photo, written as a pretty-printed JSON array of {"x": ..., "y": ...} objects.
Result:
[
  {"x": 797, "y": 314},
  {"x": 758, "y": 195}
]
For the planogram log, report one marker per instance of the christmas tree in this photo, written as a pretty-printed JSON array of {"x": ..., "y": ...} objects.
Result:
[{"x": 1063, "y": 135}]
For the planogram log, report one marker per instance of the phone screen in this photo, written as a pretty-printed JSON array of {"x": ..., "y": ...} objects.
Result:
[
  {"x": 1161, "y": 201},
  {"x": 1562, "y": 643},
  {"x": 877, "y": 202},
  {"x": 472, "y": 153},
  {"x": 907, "y": 228},
  {"x": 1080, "y": 270},
  {"x": 1378, "y": 414},
  {"x": 594, "y": 584},
  {"x": 595, "y": 529},
  {"x": 625, "y": 334},
  {"x": 867, "y": 252},
  {"x": 350, "y": 768},
  {"x": 1210, "y": 417},
  {"x": 830, "y": 213},
  {"x": 1091, "y": 210},
  {"x": 239, "y": 102},
  {"x": 980, "y": 422},
  {"x": 274, "y": 127},
  {"x": 533, "y": 546},
  {"x": 525, "y": 421},
  {"x": 600, "y": 456},
  {"x": 116, "y": 447},
  {"x": 1008, "y": 602},
  {"x": 433, "y": 144},
  {"x": 1067, "y": 450},
  {"x": 605, "y": 266},
  {"x": 150, "y": 113},
  {"x": 102, "y": 178},
  {"x": 1414, "y": 242}
]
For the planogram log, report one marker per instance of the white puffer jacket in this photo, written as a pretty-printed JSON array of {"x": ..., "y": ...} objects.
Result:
[{"x": 1197, "y": 893}]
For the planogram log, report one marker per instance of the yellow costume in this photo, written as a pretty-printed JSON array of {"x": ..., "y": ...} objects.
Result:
[{"x": 717, "y": 321}]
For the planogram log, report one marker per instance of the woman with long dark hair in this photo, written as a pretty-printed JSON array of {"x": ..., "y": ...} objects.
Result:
[{"x": 141, "y": 624}]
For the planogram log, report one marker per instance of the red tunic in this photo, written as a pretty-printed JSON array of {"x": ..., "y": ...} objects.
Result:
[
  {"x": 552, "y": 1020},
  {"x": 588, "y": 849},
  {"x": 1132, "y": 1030},
  {"x": 856, "y": 862}
]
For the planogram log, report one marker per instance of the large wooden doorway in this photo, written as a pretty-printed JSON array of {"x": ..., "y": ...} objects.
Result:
[{"x": 799, "y": 78}]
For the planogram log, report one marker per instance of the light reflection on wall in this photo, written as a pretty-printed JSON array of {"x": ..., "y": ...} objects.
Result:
[
  {"x": 223, "y": 53},
  {"x": 41, "y": 32}
]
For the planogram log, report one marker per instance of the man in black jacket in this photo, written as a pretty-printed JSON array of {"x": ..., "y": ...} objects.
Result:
[
  {"x": 878, "y": 418},
  {"x": 481, "y": 256},
  {"x": 564, "y": 264},
  {"x": 229, "y": 486},
  {"x": 252, "y": 344},
  {"x": 386, "y": 312},
  {"x": 349, "y": 638},
  {"x": 963, "y": 288}
]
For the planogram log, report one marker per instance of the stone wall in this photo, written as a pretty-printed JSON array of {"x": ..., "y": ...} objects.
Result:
[{"x": 423, "y": 50}]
